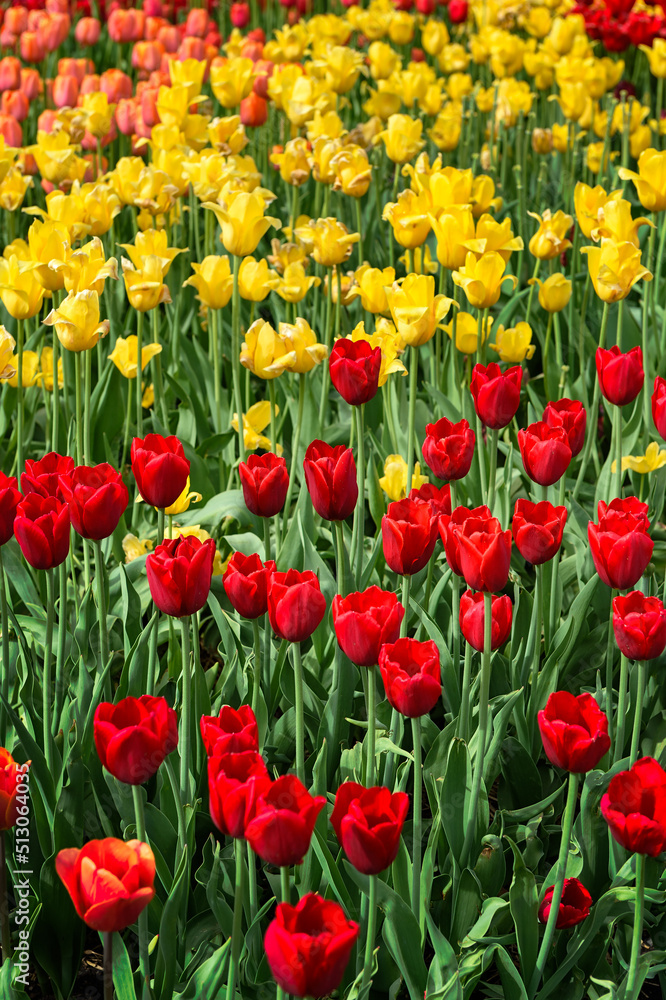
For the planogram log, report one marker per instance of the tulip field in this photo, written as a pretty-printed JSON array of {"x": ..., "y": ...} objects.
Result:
[{"x": 332, "y": 486}]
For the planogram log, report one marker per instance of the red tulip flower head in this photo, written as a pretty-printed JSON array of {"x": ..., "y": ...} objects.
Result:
[
  {"x": 179, "y": 573},
  {"x": 97, "y": 498},
  {"x": 235, "y": 782},
  {"x": 368, "y": 823},
  {"x": 330, "y": 476},
  {"x": 484, "y": 551},
  {"x": 364, "y": 621},
  {"x": 296, "y": 605},
  {"x": 437, "y": 498},
  {"x": 574, "y": 907},
  {"x": 496, "y": 393},
  {"x": 9, "y": 501},
  {"x": 133, "y": 737},
  {"x": 41, "y": 527},
  {"x": 569, "y": 414},
  {"x": 44, "y": 476},
  {"x": 449, "y": 448},
  {"x": 308, "y": 945},
  {"x": 447, "y": 524},
  {"x": 659, "y": 406},
  {"x": 284, "y": 818},
  {"x": 635, "y": 807},
  {"x": 409, "y": 533},
  {"x": 246, "y": 584},
  {"x": 458, "y": 11},
  {"x": 574, "y": 731},
  {"x": 11, "y": 775},
  {"x": 232, "y": 731},
  {"x": 354, "y": 366},
  {"x": 411, "y": 674},
  {"x": 545, "y": 452},
  {"x": 537, "y": 530},
  {"x": 265, "y": 482},
  {"x": 621, "y": 376},
  {"x": 620, "y": 545},
  {"x": 639, "y": 624},
  {"x": 160, "y": 469},
  {"x": 473, "y": 617}
]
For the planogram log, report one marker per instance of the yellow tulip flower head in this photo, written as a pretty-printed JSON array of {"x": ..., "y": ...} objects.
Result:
[
  {"x": 653, "y": 459},
  {"x": 101, "y": 205},
  {"x": 152, "y": 242},
  {"x": 402, "y": 138},
  {"x": 7, "y": 347},
  {"x": 86, "y": 267},
  {"x": 183, "y": 502},
  {"x": 466, "y": 328},
  {"x": 231, "y": 80},
  {"x": 125, "y": 355},
  {"x": 331, "y": 240},
  {"x": 617, "y": 223},
  {"x": 394, "y": 480},
  {"x": 227, "y": 135},
  {"x": 300, "y": 339},
  {"x": 416, "y": 310},
  {"x": 145, "y": 286},
  {"x": 46, "y": 369},
  {"x": 49, "y": 241},
  {"x": 29, "y": 370},
  {"x": 243, "y": 222},
  {"x": 294, "y": 163},
  {"x": 265, "y": 352},
  {"x": 134, "y": 547},
  {"x": 98, "y": 113},
  {"x": 77, "y": 322},
  {"x": 656, "y": 56},
  {"x": 56, "y": 159},
  {"x": 13, "y": 189},
  {"x": 189, "y": 73},
  {"x": 213, "y": 281},
  {"x": 409, "y": 218},
  {"x": 256, "y": 280},
  {"x": 650, "y": 181},
  {"x": 615, "y": 268},
  {"x": 371, "y": 285},
  {"x": 481, "y": 278},
  {"x": 589, "y": 205},
  {"x": 21, "y": 291},
  {"x": 383, "y": 60},
  {"x": 550, "y": 239},
  {"x": 341, "y": 67},
  {"x": 352, "y": 171},
  {"x": 386, "y": 339},
  {"x": 514, "y": 344},
  {"x": 453, "y": 229},
  {"x": 497, "y": 236},
  {"x": 295, "y": 283},
  {"x": 542, "y": 141},
  {"x": 554, "y": 292},
  {"x": 256, "y": 420}
]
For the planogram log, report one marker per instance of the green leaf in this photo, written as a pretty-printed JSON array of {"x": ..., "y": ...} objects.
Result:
[
  {"x": 456, "y": 790},
  {"x": 167, "y": 951},
  {"x": 524, "y": 905}
]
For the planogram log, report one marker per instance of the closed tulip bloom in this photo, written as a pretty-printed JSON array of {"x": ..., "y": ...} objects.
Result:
[
  {"x": 620, "y": 545},
  {"x": 145, "y": 285},
  {"x": 453, "y": 229},
  {"x": 550, "y": 240},
  {"x": 484, "y": 551},
  {"x": 300, "y": 339},
  {"x": 574, "y": 731},
  {"x": 354, "y": 366},
  {"x": 179, "y": 573},
  {"x": 554, "y": 292},
  {"x": 659, "y": 406},
  {"x": 537, "y": 530},
  {"x": 44, "y": 476},
  {"x": 575, "y": 904},
  {"x": 160, "y": 469},
  {"x": 125, "y": 355},
  {"x": 409, "y": 533},
  {"x": 409, "y": 218},
  {"x": 635, "y": 808},
  {"x": 243, "y": 222},
  {"x": 110, "y": 881},
  {"x": 87, "y": 31},
  {"x": 438, "y": 498},
  {"x": 283, "y": 820},
  {"x": 10, "y": 777},
  {"x": 621, "y": 376},
  {"x": 265, "y": 481},
  {"x": 265, "y": 352},
  {"x": 308, "y": 945},
  {"x": 416, "y": 311},
  {"x": 235, "y": 781},
  {"x": 353, "y": 170},
  {"x": 256, "y": 280},
  {"x": 296, "y": 605},
  {"x": 650, "y": 181},
  {"x": 481, "y": 278},
  {"x": 411, "y": 674},
  {"x": 41, "y": 527},
  {"x": 97, "y": 498},
  {"x": 253, "y": 108},
  {"x": 9, "y": 501},
  {"x": 77, "y": 321},
  {"x": 246, "y": 584},
  {"x": 496, "y": 393},
  {"x": 447, "y": 526},
  {"x": 133, "y": 737},
  {"x": 21, "y": 292},
  {"x": 232, "y": 731},
  {"x": 402, "y": 138},
  {"x": 331, "y": 241},
  {"x": 368, "y": 823},
  {"x": 364, "y": 621},
  {"x": 572, "y": 416},
  {"x": 545, "y": 452},
  {"x": 639, "y": 623},
  {"x": 213, "y": 281},
  {"x": 514, "y": 344},
  {"x": 615, "y": 268},
  {"x": 449, "y": 448},
  {"x": 330, "y": 477},
  {"x": 472, "y": 619}
]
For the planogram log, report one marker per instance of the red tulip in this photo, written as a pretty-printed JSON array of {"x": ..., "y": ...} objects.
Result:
[
  {"x": 537, "y": 530},
  {"x": 308, "y": 945},
  {"x": 484, "y": 551},
  {"x": 235, "y": 782},
  {"x": 496, "y": 393},
  {"x": 409, "y": 533},
  {"x": 437, "y": 498},
  {"x": 232, "y": 731},
  {"x": 160, "y": 469},
  {"x": 639, "y": 624},
  {"x": 545, "y": 452},
  {"x": 97, "y": 498},
  {"x": 11, "y": 775},
  {"x": 368, "y": 823},
  {"x": 110, "y": 881},
  {"x": 412, "y": 676},
  {"x": 574, "y": 907},
  {"x": 569, "y": 414},
  {"x": 458, "y": 11},
  {"x": 253, "y": 108},
  {"x": 9, "y": 501},
  {"x": 179, "y": 574},
  {"x": 635, "y": 807},
  {"x": 574, "y": 731},
  {"x": 265, "y": 482},
  {"x": 449, "y": 448},
  {"x": 659, "y": 406},
  {"x": 330, "y": 477},
  {"x": 133, "y": 737},
  {"x": 41, "y": 527},
  {"x": 354, "y": 366},
  {"x": 620, "y": 375},
  {"x": 448, "y": 535},
  {"x": 620, "y": 545},
  {"x": 364, "y": 621},
  {"x": 45, "y": 476},
  {"x": 284, "y": 818},
  {"x": 472, "y": 619},
  {"x": 296, "y": 604},
  {"x": 246, "y": 584}
]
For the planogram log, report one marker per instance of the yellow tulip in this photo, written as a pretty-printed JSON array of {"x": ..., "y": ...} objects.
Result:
[
  {"x": 7, "y": 347},
  {"x": 231, "y": 81},
  {"x": 46, "y": 369},
  {"x": 21, "y": 291},
  {"x": 542, "y": 141},
  {"x": 145, "y": 286},
  {"x": 416, "y": 310},
  {"x": 265, "y": 352},
  {"x": 615, "y": 268},
  {"x": 589, "y": 205},
  {"x": 550, "y": 239},
  {"x": 294, "y": 163},
  {"x": 481, "y": 279},
  {"x": 447, "y": 128},
  {"x": 300, "y": 339},
  {"x": 394, "y": 480},
  {"x": 383, "y": 103},
  {"x": 284, "y": 254},
  {"x": 630, "y": 114},
  {"x": 423, "y": 262},
  {"x": 152, "y": 242},
  {"x": 653, "y": 459},
  {"x": 48, "y": 241},
  {"x": 466, "y": 329},
  {"x": 554, "y": 292},
  {"x": 371, "y": 285},
  {"x": 483, "y": 197},
  {"x": 563, "y": 139},
  {"x": 101, "y": 205},
  {"x": 650, "y": 181},
  {"x": 514, "y": 344},
  {"x": 7, "y": 157},
  {"x": 98, "y": 113},
  {"x": 243, "y": 223},
  {"x": 434, "y": 36},
  {"x": 125, "y": 355},
  {"x": 55, "y": 157},
  {"x": 617, "y": 223},
  {"x": 409, "y": 218},
  {"x": 341, "y": 67},
  {"x": 352, "y": 171},
  {"x": 227, "y": 135},
  {"x": 86, "y": 268},
  {"x": 77, "y": 322},
  {"x": 497, "y": 236},
  {"x": 256, "y": 420},
  {"x": 183, "y": 502},
  {"x": 295, "y": 284},
  {"x": 134, "y": 547},
  {"x": 387, "y": 340},
  {"x": 331, "y": 240},
  {"x": 256, "y": 280},
  {"x": 189, "y": 73},
  {"x": 656, "y": 56},
  {"x": 325, "y": 126},
  {"x": 29, "y": 370},
  {"x": 13, "y": 189},
  {"x": 402, "y": 138},
  {"x": 453, "y": 230},
  {"x": 383, "y": 60},
  {"x": 148, "y": 397},
  {"x": 346, "y": 286},
  {"x": 213, "y": 281}
]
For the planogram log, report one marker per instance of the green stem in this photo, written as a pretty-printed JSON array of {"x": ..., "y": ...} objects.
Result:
[
  {"x": 87, "y": 390},
  {"x": 537, "y": 620},
  {"x": 389, "y": 767},
  {"x": 47, "y": 694},
  {"x": 107, "y": 974},
  {"x": 618, "y": 745},
  {"x": 185, "y": 719},
  {"x": 295, "y": 444},
  {"x": 101, "y": 602},
  {"x": 217, "y": 378},
  {"x": 418, "y": 819},
  {"x": 273, "y": 405},
  {"x": 648, "y": 291},
  {"x": 140, "y": 820},
  {"x": 371, "y": 696},
  {"x": 359, "y": 226},
  {"x": 139, "y": 381},
  {"x": 4, "y": 901},
  {"x": 482, "y": 731},
  {"x": 567, "y": 826},
  {"x": 370, "y": 931},
  {"x": 128, "y": 414},
  {"x": 530, "y": 297},
  {"x": 160, "y": 398},
  {"x": 236, "y": 930},
  {"x": 252, "y": 876},
  {"x": 413, "y": 384},
  {"x": 298, "y": 707},
  {"x": 20, "y": 337},
  {"x": 285, "y": 894},
  {"x": 641, "y": 668},
  {"x": 78, "y": 384},
  {"x": 256, "y": 685},
  {"x": 4, "y": 624},
  {"x": 327, "y": 332},
  {"x": 492, "y": 468},
  {"x": 56, "y": 396},
  {"x": 359, "y": 511},
  {"x": 463, "y": 719},
  {"x": 235, "y": 358},
  {"x": 632, "y": 990},
  {"x": 619, "y": 475},
  {"x": 592, "y": 415}
]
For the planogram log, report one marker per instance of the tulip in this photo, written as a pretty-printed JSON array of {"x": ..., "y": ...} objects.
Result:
[
  {"x": 246, "y": 581},
  {"x": 45, "y": 475},
  {"x": 614, "y": 269},
  {"x": 354, "y": 367},
  {"x": 411, "y": 674},
  {"x": 496, "y": 394},
  {"x": 574, "y": 906},
  {"x": 415, "y": 309},
  {"x": 621, "y": 376},
  {"x": 145, "y": 286},
  {"x": 125, "y": 355},
  {"x": 453, "y": 229},
  {"x": 554, "y": 292},
  {"x": 659, "y": 406},
  {"x": 639, "y": 624},
  {"x": 409, "y": 218},
  {"x": 574, "y": 731},
  {"x": 300, "y": 339},
  {"x": 409, "y": 533},
  {"x": 537, "y": 530},
  {"x": 308, "y": 945},
  {"x": 472, "y": 619},
  {"x": 371, "y": 285},
  {"x": 571, "y": 415},
  {"x": 256, "y": 280},
  {"x": 265, "y": 352},
  {"x": 402, "y": 138},
  {"x": 635, "y": 808},
  {"x": 295, "y": 284},
  {"x": 11, "y": 775},
  {"x": 447, "y": 524},
  {"x": 41, "y": 527},
  {"x": 331, "y": 240},
  {"x": 449, "y": 448},
  {"x": 330, "y": 477},
  {"x": 236, "y": 780},
  {"x": 368, "y": 823},
  {"x": 394, "y": 480},
  {"x": 353, "y": 170},
  {"x": 265, "y": 482},
  {"x": 253, "y": 108},
  {"x": 213, "y": 281},
  {"x": 437, "y": 498},
  {"x": 364, "y": 621},
  {"x": 620, "y": 545},
  {"x": 134, "y": 736},
  {"x": 545, "y": 452},
  {"x": 87, "y": 31},
  {"x": 160, "y": 469},
  {"x": 514, "y": 343},
  {"x": 9, "y": 501},
  {"x": 484, "y": 552},
  {"x": 232, "y": 731},
  {"x": 650, "y": 181},
  {"x": 296, "y": 605},
  {"x": 97, "y": 498},
  {"x": 243, "y": 223},
  {"x": 481, "y": 278},
  {"x": 550, "y": 240},
  {"x": 294, "y": 162},
  {"x": 110, "y": 881},
  {"x": 179, "y": 573},
  {"x": 283, "y": 820},
  {"x": 20, "y": 291}
]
